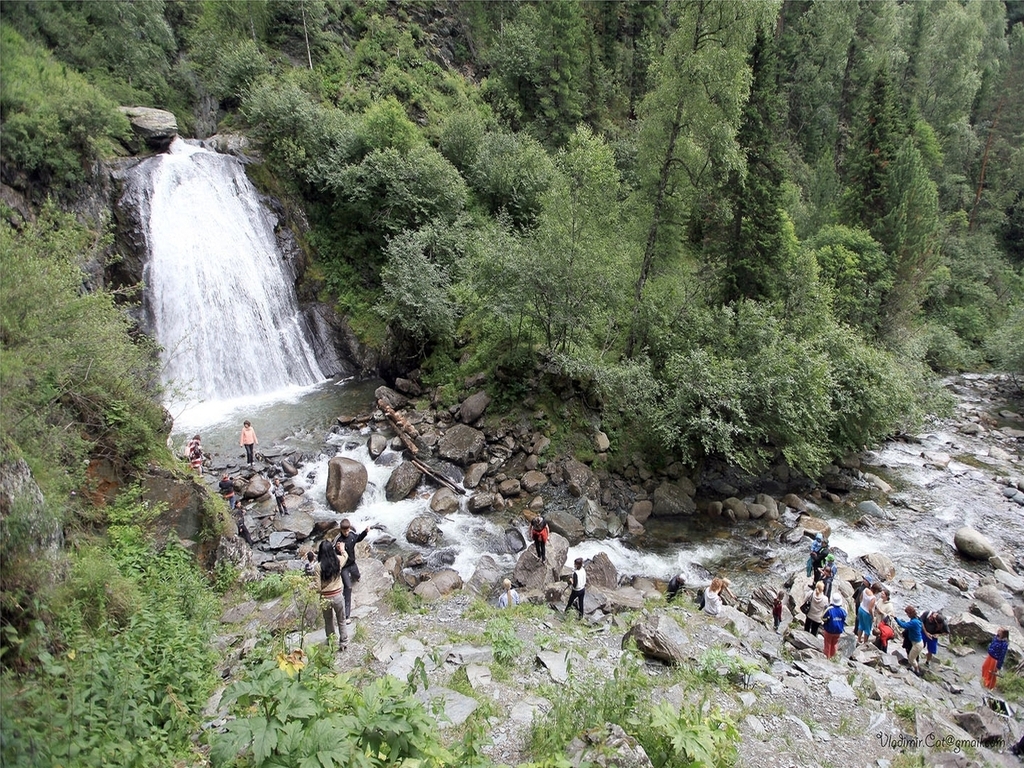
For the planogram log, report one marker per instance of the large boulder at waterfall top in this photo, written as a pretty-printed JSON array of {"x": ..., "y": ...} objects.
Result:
[
  {"x": 402, "y": 482},
  {"x": 462, "y": 444},
  {"x": 156, "y": 127},
  {"x": 658, "y": 636},
  {"x": 473, "y": 407},
  {"x": 531, "y": 573},
  {"x": 814, "y": 525},
  {"x": 392, "y": 398},
  {"x": 566, "y": 525},
  {"x": 601, "y": 572},
  {"x": 346, "y": 482},
  {"x": 973, "y": 545}
]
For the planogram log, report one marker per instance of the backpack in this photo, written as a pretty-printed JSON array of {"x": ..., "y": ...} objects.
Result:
[{"x": 835, "y": 621}]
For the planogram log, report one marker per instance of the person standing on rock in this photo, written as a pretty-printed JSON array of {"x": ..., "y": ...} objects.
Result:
[
  {"x": 226, "y": 487},
  {"x": 278, "y": 492},
  {"x": 828, "y": 573},
  {"x": 866, "y": 612},
  {"x": 578, "y": 582},
  {"x": 914, "y": 634},
  {"x": 509, "y": 598},
  {"x": 934, "y": 624},
  {"x": 812, "y": 557},
  {"x": 996, "y": 656},
  {"x": 816, "y": 603},
  {"x": 347, "y": 540},
  {"x": 777, "y": 609},
  {"x": 248, "y": 440},
  {"x": 834, "y": 623},
  {"x": 327, "y": 573},
  {"x": 539, "y": 533},
  {"x": 194, "y": 452},
  {"x": 243, "y": 530}
]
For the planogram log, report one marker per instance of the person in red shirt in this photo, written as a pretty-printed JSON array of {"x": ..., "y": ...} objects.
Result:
[
  {"x": 883, "y": 634},
  {"x": 539, "y": 533}
]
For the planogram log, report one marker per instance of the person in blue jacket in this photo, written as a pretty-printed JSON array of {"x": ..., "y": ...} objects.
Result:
[{"x": 914, "y": 631}]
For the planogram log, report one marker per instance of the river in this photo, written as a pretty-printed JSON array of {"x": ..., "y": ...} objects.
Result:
[{"x": 929, "y": 500}]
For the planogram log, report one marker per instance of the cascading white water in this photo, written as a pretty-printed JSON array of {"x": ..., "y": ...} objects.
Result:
[{"x": 219, "y": 295}]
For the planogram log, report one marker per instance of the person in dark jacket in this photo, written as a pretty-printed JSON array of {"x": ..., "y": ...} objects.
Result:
[
  {"x": 539, "y": 533},
  {"x": 675, "y": 584},
  {"x": 350, "y": 572},
  {"x": 243, "y": 531},
  {"x": 226, "y": 486}
]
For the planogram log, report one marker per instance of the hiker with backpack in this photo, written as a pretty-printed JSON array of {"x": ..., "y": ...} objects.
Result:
[
  {"x": 812, "y": 556},
  {"x": 539, "y": 533},
  {"x": 814, "y": 607},
  {"x": 833, "y": 624}
]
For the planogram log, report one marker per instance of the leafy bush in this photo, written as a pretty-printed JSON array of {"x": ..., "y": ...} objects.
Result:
[
  {"x": 501, "y": 634},
  {"x": 267, "y": 588}
]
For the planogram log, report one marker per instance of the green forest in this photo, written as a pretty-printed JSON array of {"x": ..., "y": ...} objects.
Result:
[{"x": 750, "y": 230}]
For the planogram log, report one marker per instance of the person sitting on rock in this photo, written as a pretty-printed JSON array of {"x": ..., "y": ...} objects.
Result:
[
  {"x": 509, "y": 598},
  {"x": 713, "y": 597},
  {"x": 539, "y": 533},
  {"x": 883, "y": 633}
]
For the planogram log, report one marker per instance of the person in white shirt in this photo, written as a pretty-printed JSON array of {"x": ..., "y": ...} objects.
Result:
[
  {"x": 579, "y": 587},
  {"x": 509, "y": 597}
]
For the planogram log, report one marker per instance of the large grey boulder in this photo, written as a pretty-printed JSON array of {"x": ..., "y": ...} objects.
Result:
[
  {"x": 444, "y": 501},
  {"x": 392, "y": 398},
  {"x": 346, "y": 482},
  {"x": 439, "y": 584},
  {"x": 983, "y": 724},
  {"x": 658, "y": 637},
  {"x": 881, "y": 565},
  {"x": 579, "y": 478},
  {"x": 531, "y": 573},
  {"x": 462, "y": 444},
  {"x": 671, "y": 499},
  {"x": 533, "y": 481},
  {"x": 486, "y": 578},
  {"x": 601, "y": 572},
  {"x": 423, "y": 531},
  {"x": 972, "y": 544},
  {"x": 402, "y": 482},
  {"x": 257, "y": 487},
  {"x": 473, "y": 407},
  {"x": 565, "y": 524},
  {"x": 376, "y": 445},
  {"x": 156, "y": 127}
]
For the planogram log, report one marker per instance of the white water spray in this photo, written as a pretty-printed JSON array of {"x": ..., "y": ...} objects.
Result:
[{"x": 218, "y": 291}]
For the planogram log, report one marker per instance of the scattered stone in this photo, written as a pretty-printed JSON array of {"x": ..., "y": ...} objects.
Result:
[
  {"x": 972, "y": 544},
  {"x": 607, "y": 747},
  {"x": 473, "y": 407}
]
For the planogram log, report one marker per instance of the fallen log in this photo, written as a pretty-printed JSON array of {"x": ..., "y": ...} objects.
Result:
[{"x": 438, "y": 478}]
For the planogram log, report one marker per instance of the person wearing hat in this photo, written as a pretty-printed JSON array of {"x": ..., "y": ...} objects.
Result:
[
  {"x": 348, "y": 539},
  {"x": 833, "y": 624},
  {"x": 913, "y": 630},
  {"x": 509, "y": 597},
  {"x": 578, "y": 582}
]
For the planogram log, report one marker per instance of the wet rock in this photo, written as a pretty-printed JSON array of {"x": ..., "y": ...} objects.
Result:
[
  {"x": 155, "y": 127},
  {"x": 376, "y": 445},
  {"x": 462, "y": 444},
  {"x": 881, "y": 565},
  {"x": 641, "y": 510},
  {"x": 936, "y": 459},
  {"x": 658, "y": 637},
  {"x": 473, "y": 407},
  {"x": 877, "y": 482},
  {"x": 288, "y": 468},
  {"x": 872, "y": 509},
  {"x": 475, "y": 474},
  {"x": 607, "y": 747},
  {"x": 346, "y": 482},
  {"x": 792, "y": 536},
  {"x": 671, "y": 499},
  {"x": 793, "y": 501},
  {"x": 814, "y": 525},
  {"x": 510, "y": 487},
  {"x": 514, "y": 540},
  {"x": 403, "y": 481},
  {"x": 444, "y": 501},
  {"x": 972, "y": 544},
  {"x": 481, "y": 502},
  {"x": 257, "y": 487},
  {"x": 423, "y": 531},
  {"x": 771, "y": 506}
]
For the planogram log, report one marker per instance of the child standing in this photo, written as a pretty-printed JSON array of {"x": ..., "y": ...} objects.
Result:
[
  {"x": 996, "y": 656},
  {"x": 278, "y": 491}
]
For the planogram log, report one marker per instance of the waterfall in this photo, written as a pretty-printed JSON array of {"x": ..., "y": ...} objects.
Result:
[{"x": 220, "y": 297}]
